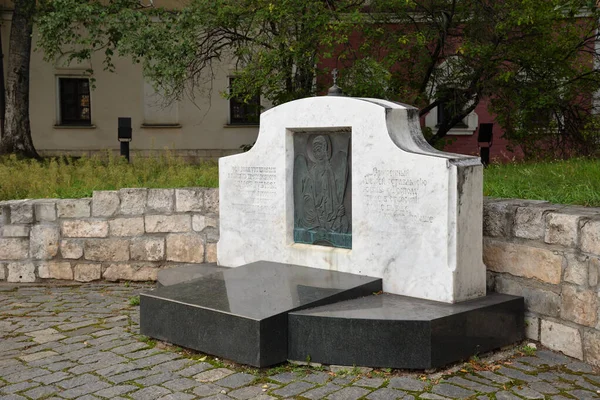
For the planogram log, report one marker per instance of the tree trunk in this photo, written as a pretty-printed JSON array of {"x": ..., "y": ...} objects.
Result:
[
  {"x": 17, "y": 132},
  {"x": 2, "y": 89}
]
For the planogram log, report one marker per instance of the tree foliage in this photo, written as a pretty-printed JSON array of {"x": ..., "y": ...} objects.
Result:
[{"x": 534, "y": 59}]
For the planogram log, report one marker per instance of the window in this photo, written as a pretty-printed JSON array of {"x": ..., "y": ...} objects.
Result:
[
  {"x": 446, "y": 110},
  {"x": 75, "y": 106},
  {"x": 244, "y": 113}
]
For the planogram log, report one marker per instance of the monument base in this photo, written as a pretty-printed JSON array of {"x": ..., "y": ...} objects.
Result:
[
  {"x": 403, "y": 332},
  {"x": 185, "y": 273},
  {"x": 241, "y": 314}
]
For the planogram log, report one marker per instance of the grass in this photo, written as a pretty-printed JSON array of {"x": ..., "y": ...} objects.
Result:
[
  {"x": 134, "y": 301},
  {"x": 76, "y": 178},
  {"x": 575, "y": 181}
]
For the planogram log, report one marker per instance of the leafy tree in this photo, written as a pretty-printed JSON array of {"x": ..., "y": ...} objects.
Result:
[
  {"x": 276, "y": 44},
  {"x": 16, "y": 132},
  {"x": 532, "y": 58}
]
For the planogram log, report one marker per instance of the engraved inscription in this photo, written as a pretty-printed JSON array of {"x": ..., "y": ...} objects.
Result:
[
  {"x": 321, "y": 189},
  {"x": 254, "y": 191},
  {"x": 395, "y": 194}
]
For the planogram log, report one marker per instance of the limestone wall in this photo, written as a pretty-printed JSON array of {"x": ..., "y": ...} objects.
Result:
[
  {"x": 550, "y": 255},
  {"x": 115, "y": 235},
  {"x": 547, "y": 253}
]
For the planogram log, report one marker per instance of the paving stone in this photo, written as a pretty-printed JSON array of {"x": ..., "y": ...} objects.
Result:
[
  {"x": 506, "y": 396},
  {"x": 52, "y": 378},
  {"x": 61, "y": 365},
  {"x": 171, "y": 365},
  {"x": 471, "y": 385},
  {"x": 578, "y": 366},
  {"x": 236, "y": 380},
  {"x": 528, "y": 393},
  {"x": 218, "y": 396},
  {"x": 155, "y": 360},
  {"x": 142, "y": 353},
  {"x": 213, "y": 375},
  {"x": 150, "y": 393},
  {"x": 77, "y": 381},
  {"x": 552, "y": 358},
  {"x": 479, "y": 379},
  {"x": 18, "y": 387},
  {"x": 386, "y": 394},
  {"x": 114, "y": 391},
  {"x": 15, "y": 397},
  {"x": 585, "y": 384},
  {"x": 25, "y": 375},
  {"x": 317, "y": 377},
  {"x": 370, "y": 382},
  {"x": 84, "y": 389},
  {"x": 518, "y": 375},
  {"x": 522, "y": 367},
  {"x": 293, "y": 389},
  {"x": 247, "y": 392},
  {"x": 156, "y": 379},
  {"x": 285, "y": 377},
  {"x": 129, "y": 348},
  {"x": 322, "y": 391},
  {"x": 544, "y": 387},
  {"x": 41, "y": 392},
  {"x": 406, "y": 383},
  {"x": 432, "y": 396},
  {"x": 451, "y": 391},
  {"x": 207, "y": 389},
  {"x": 349, "y": 393},
  {"x": 584, "y": 394},
  {"x": 177, "y": 396},
  {"x": 38, "y": 356},
  {"x": 127, "y": 376},
  {"x": 181, "y": 384},
  {"x": 342, "y": 380},
  {"x": 115, "y": 369},
  {"x": 532, "y": 361},
  {"x": 194, "y": 369}
]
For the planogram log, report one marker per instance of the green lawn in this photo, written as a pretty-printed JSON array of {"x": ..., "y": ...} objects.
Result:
[
  {"x": 79, "y": 178},
  {"x": 575, "y": 181}
]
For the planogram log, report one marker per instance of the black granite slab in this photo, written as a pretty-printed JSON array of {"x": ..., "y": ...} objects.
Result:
[
  {"x": 186, "y": 273},
  {"x": 404, "y": 332},
  {"x": 241, "y": 313}
]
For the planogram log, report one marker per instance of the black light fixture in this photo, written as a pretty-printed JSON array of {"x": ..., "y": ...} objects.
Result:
[
  {"x": 124, "y": 135},
  {"x": 485, "y": 139}
]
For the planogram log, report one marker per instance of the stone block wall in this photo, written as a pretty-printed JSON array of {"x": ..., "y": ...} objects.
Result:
[
  {"x": 550, "y": 255},
  {"x": 126, "y": 234},
  {"x": 547, "y": 253}
]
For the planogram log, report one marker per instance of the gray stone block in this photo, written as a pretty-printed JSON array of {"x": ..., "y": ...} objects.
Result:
[
  {"x": 71, "y": 248},
  {"x": 106, "y": 249},
  {"x": 85, "y": 229},
  {"x": 189, "y": 199},
  {"x": 105, "y": 203},
  {"x": 15, "y": 230},
  {"x": 21, "y": 272},
  {"x": 14, "y": 248},
  {"x": 45, "y": 211},
  {"x": 185, "y": 247},
  {"x": 168, "y": 223},
  {"x": 160, "y": 200},
  {"x": 536, "y": 300},
  {"x": 133, "y": 201},
  {"x": 133, "y": 226},
  {"x": 21, "y": 212},
  {"x": 147, "y": 249},
  {"x": 44, "y": 242},
  {"x": 73, "y": 208}
]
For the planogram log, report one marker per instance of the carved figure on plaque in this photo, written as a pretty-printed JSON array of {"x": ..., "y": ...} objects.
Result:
[{"x": 320, "y": 185}]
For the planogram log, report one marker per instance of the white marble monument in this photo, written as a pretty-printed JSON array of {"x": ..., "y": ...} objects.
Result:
[{"x": 349, "y": 184}]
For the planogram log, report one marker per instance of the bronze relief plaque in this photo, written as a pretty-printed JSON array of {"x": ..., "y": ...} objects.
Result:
[{"x": 322, "y": 188}]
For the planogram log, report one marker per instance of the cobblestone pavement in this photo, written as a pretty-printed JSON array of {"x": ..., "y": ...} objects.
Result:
[{"x": 82, "y": 342}]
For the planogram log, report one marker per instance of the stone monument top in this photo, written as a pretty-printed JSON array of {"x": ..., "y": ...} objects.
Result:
[{"x": 351, "y": 185}]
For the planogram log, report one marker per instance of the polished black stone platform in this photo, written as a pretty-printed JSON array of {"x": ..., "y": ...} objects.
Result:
[
  {"x": 403, "y": 332},
  {"x": 186, "y": 273},
  {"x": 241, "y": 313}
]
